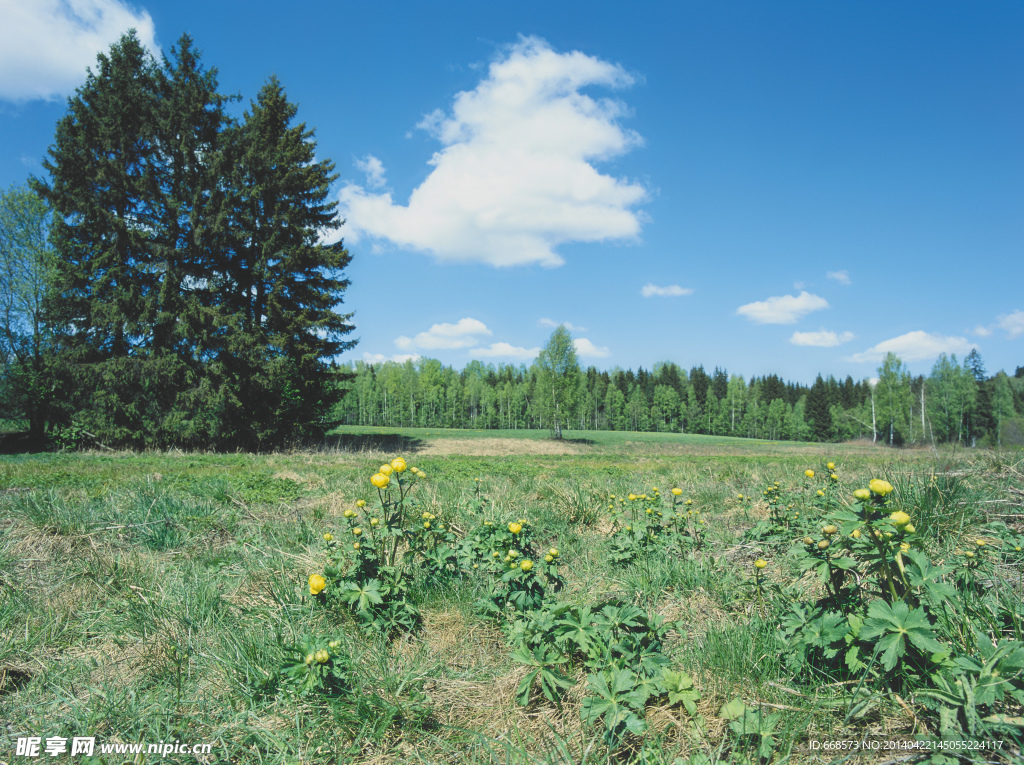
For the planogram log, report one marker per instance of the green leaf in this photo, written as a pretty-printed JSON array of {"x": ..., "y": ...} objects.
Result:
[{"x": 732, "y": 710}]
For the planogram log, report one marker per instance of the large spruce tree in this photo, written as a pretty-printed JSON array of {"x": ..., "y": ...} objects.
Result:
[{"x": 195, "y": 300}]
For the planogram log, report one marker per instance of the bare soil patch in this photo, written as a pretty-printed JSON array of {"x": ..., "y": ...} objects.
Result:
[{"x": 495, "y": 447}]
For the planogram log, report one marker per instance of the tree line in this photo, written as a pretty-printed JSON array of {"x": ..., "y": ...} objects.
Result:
[
  {"x": 167, "y": 282},
  {"x": 956, "y": 403}
]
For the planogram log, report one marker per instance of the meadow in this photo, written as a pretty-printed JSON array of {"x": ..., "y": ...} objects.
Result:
[{"x": 433, "y": 596}]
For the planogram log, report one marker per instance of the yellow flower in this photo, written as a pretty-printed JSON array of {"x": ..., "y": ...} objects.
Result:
[
  {"x": 333, "y": 645},
  {"x": 398, "y": 465},
  {"x": 548, "y": 559},
  {"x": 309, "y": 658},
  {"x": 856, "y": 534},
  {"x": 821, "y": 493},
  {"x": 375, "y": 521},
  {"x": 632, "y": 497},
  {"x": 350, "y": 513},
  {"x": 355, "y": 545},
  {"x": 968, "y": 554},
  {"x": 979, "y": 542},
  {"x": 513, "y": 553},
  {"x": 360, "y": 503},
  {"x": 823, "y": 544},
  {"x": 316, "y": 583},
  {"x": 900, "y": 518},
  {"x": 739, "y": 496},
  {"x": 328, "y": 536},
  {"x": 808, "y": 541},
  {"x": 904, "y": 546},
  {"x": 526, "y": 565},
  {"x": 831, "y": 466},
  {"x": 357, "y": 531},
  {"x": 834, "y": 477},
  {"x": 862, "y": 494},
  {"x": 515, "y": 528},
  {"x": 495, "y": 554},
  {"x": 880, "y": 487},
  {"x": 553, "y": 552},
  {"x": 809, "y": 473},
  {"x": 760, "y": 563},
  {"x": 677, "y": 491},
  {"x": 909, "y": 528},
  {"x": 385, "y": 470},
  {"x": 689, "y": 501},
  {"x": 322, "y": 656},
  {"x": 426, "y": 524},
  {"x": 830, "y": 529},
  {"x": 421, "y": 474},
  {"x": 379, "y": 480}
]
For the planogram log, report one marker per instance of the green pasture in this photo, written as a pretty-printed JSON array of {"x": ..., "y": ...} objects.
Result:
[{"x": 158, "y": 596}]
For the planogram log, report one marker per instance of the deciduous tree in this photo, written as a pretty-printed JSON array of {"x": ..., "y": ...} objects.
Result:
[{"x": 558, "y": 372}]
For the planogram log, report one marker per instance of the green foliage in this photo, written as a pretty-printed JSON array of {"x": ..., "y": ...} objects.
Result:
[
  {"x": 192, "y": 302},
  {"x": 558, "y": 380},
  {"x": 26, "y": 342}
]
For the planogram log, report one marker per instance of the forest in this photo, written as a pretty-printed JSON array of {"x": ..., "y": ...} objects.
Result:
[{"x": 958, "y": 402}]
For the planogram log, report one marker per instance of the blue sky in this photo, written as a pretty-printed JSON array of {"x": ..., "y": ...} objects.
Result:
[{"x": 785, "y": 187}]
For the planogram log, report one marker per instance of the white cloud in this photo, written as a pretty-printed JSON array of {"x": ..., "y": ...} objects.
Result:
[
  {"x": 673, "y": 290},
  {"x": 915, "y": 346},
  {"x": 587, "y": 350},
  {"x": 1012, "y": 323},
  {"x": 821, "y": 339},
  {"x": 840, "y": 276},
  {"x": 506, "y": 350},
  {"x": 515, "y": 177},
  {"x": 785, "y": 309},
  {"x": 46, "y": 45},
  {"x": 981, "y": 331},
  {"x": 568, "y": 325},
  {"x": 398, "y": 358},
  {"x": 374, "y": 169},
  {"x": 464, "y": 333}
]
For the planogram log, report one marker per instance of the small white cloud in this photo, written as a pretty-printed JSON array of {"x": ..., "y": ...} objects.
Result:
[
  {"x": 1012, "y": 323},
  {"x": 799, "y": 285},
  {"x": 821, "y": 339},
  {"x": 840, "y": 276},
  {"x": 465, "y": 333},
  {"x": 398, "y": 358},
  {"x": 981, "y": 331},
  {"x": 672, "y": 290},
  {"x": 915, "y": 346},
  {"x": 786, "y": 309},
  {"x": 46, "y": 45},
  {"x": 568, "y": 325},
  {"x": 516, "y": 175},
  {"x": 587, "y": 350},
  {"x": 374, "y": 169},
  {"x": 506, "y": 350}
]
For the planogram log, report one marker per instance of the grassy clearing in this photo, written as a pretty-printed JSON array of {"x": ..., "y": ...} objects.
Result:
[{"x": 154, "y": 597}]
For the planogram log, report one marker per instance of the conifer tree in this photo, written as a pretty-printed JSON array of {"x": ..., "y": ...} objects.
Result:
[{"x": 194, "y": 294}]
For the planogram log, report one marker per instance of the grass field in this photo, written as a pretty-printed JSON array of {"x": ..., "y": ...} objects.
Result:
[{"x": 152, "y": 598}]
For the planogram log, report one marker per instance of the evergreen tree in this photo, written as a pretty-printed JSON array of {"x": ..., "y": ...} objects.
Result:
[
  {"x": 818, "y": 408},
  {"x": 196, "y": 301}
]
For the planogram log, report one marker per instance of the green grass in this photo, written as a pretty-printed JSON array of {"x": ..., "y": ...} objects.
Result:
[{"x": 148, "y": 597}]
